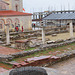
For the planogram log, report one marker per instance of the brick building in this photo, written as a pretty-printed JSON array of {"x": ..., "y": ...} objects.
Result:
[{"x": 11, "y": 12}]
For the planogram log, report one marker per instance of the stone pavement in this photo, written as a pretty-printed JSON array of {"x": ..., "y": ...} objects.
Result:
[
  {"x": 51, "y": 71},
  {"x": 7, "y": 51},
  {"x": 65, "y": 67}
]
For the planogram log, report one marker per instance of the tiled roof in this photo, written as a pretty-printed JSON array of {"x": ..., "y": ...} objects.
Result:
[
  {"x": 13, "y": 13},
  {"x": 60, "y": 16}
]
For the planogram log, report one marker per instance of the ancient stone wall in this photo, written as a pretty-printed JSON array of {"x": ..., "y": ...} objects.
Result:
[{"x": 41, "y": 48}]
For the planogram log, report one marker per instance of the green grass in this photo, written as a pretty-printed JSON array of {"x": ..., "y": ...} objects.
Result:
[
  {"x": 5, "y": 66},
  {"x": 26, "y": 49},
  {"x": 30, "y": 49}
]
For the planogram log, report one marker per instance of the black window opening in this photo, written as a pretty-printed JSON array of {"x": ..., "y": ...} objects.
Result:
[{"x": 16, "y": 7}]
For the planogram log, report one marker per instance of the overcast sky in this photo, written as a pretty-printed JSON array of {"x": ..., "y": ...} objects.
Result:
[{"x": 44, "y": 5}]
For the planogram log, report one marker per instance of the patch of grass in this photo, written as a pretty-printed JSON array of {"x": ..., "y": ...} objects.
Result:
[
  {"x": 5, "y": 66},
  {"x": 26, "y": 49},
  {"x": 30, "y": 49}
]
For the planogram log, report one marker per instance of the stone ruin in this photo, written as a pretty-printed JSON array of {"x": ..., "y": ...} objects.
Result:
[
  {"x": 22, "y": 44},
  {"x": 28, "y": 43}
]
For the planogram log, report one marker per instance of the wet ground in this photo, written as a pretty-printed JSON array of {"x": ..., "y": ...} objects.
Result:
[{"x": 66, "y": 67}]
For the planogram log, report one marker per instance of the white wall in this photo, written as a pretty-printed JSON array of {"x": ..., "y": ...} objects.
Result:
[{"x": 24, "y": 21}]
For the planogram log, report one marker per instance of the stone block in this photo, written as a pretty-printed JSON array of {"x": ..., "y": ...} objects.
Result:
[{"x": 54, "y": 34}]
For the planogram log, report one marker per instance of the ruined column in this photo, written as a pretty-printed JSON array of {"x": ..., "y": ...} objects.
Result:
[
  {"x": 7, "y": 34},
  {"x": 71, "y": 30},
  {"x": 43, "y": 35}
]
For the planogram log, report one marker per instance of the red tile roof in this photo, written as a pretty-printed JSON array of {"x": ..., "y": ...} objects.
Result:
[{"x": 13, "y": 13}]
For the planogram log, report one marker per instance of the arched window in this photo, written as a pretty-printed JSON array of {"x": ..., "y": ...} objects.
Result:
[
  {"x": 9, "y": 21},
  {"x": 16, "y": 7},
  {"x": 1, "y": 23}
]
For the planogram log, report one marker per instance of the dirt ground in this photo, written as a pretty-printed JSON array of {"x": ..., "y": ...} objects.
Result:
[
  {"x": 63, "y": 36},
  {"x": 7, "y": 51},
  {"x": 65, "y": 67}
]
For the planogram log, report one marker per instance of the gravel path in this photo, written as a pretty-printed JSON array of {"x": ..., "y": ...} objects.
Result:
[{"x": 66, "y": 67}]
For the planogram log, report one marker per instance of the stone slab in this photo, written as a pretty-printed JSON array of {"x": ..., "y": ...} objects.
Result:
[
  {"x": 38, "y": 58},
  {"x": 21, "y": 41}
]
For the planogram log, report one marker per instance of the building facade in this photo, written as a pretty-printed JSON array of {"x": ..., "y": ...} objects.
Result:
[
  {"x": 15, "y": 5},
  {"x": 11, "y": 12}
]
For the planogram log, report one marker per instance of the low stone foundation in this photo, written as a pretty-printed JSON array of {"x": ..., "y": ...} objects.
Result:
[
  {"x": 62, "y": 57},
  {"x": 5, "y": 58},
  {"x": 46, "y": 60}
]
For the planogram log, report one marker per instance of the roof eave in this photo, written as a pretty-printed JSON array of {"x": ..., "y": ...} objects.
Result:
[{"x": 13, "y": 15}]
